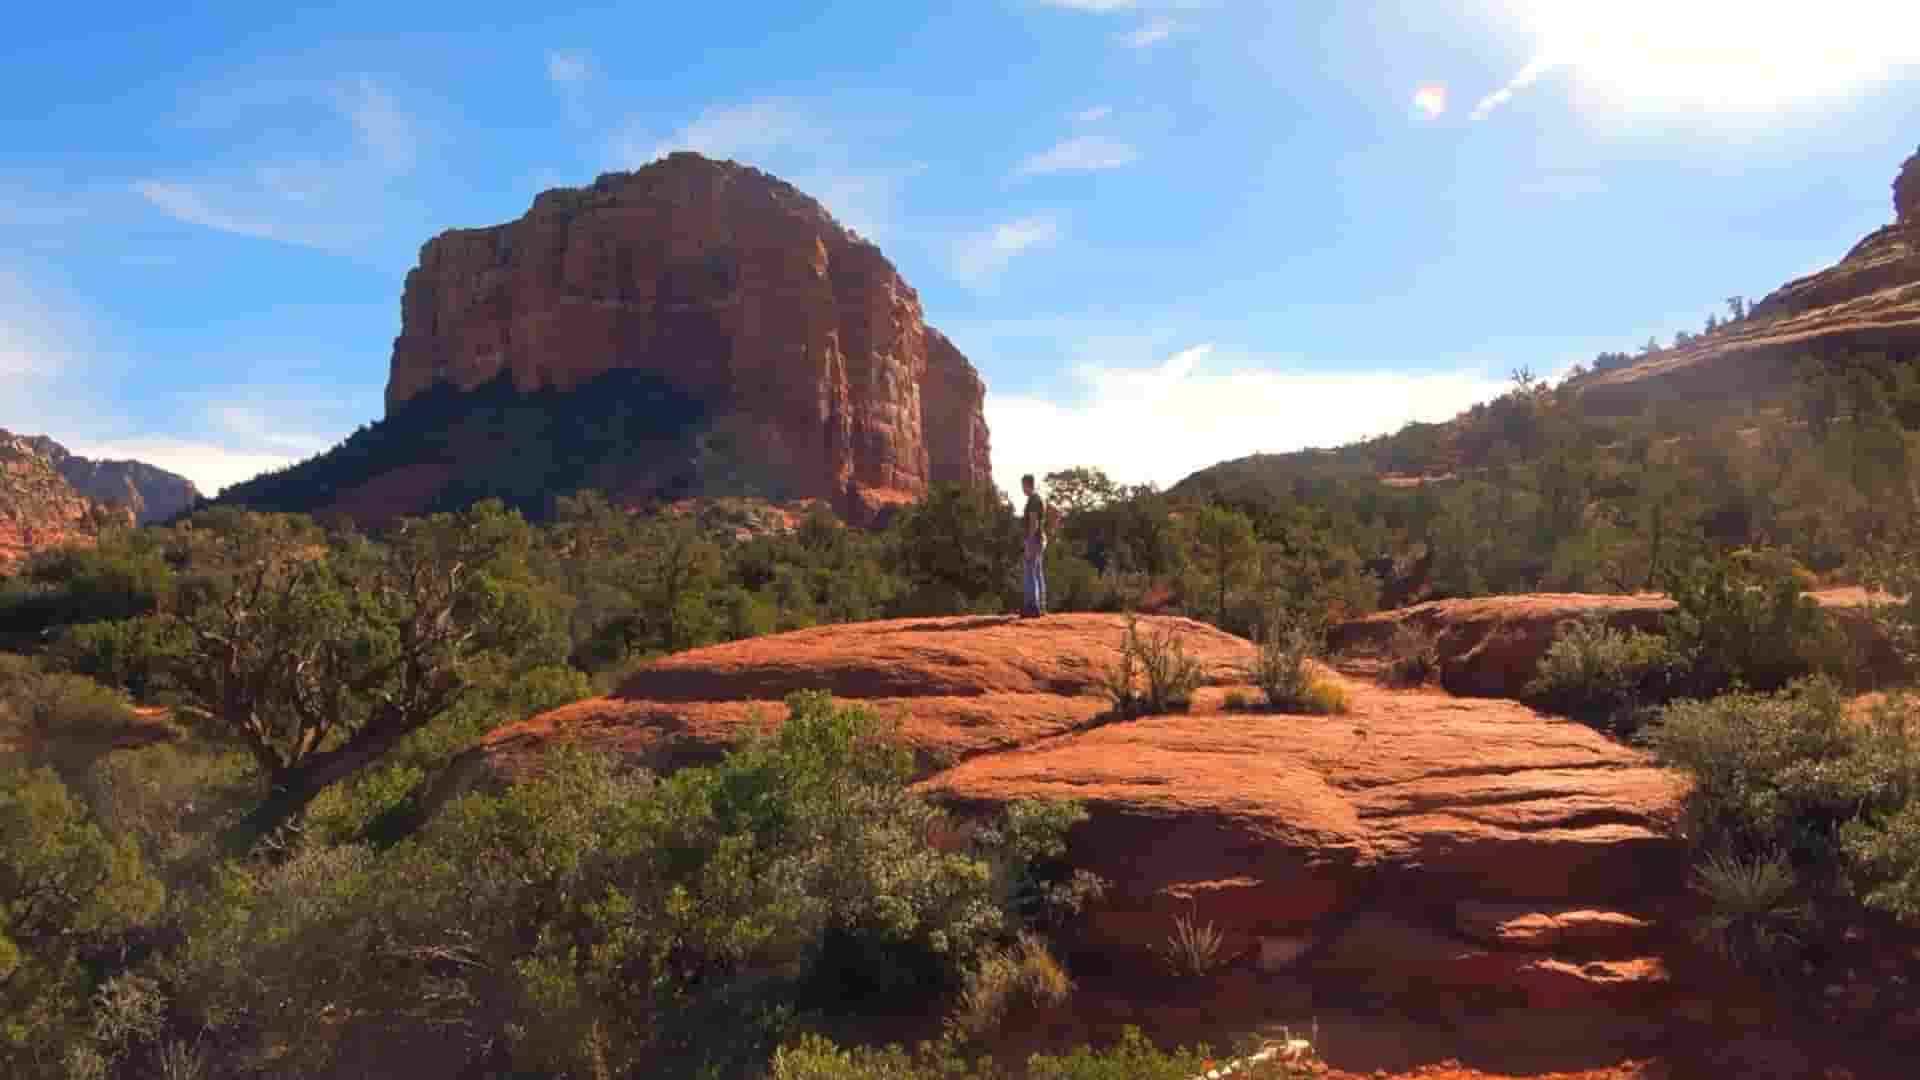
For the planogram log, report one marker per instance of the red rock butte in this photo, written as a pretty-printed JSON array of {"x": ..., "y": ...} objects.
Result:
[{"x": 810, "y": 349}]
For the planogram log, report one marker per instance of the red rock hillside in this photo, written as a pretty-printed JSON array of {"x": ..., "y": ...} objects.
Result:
[
  {"x": 736, "y": 287},
  {"x": 39, "y": 509},
  {"x": 1495, "y": 878},
  {"x": 1869, "y": 300}
]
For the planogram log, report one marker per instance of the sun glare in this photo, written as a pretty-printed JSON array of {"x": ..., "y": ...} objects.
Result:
[
  {"x": 1431, "y": 100},
  {"x": 1715, "y": 55}
]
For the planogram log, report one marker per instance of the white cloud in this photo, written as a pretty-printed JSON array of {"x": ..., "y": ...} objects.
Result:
[
  {"x": 745, "y": 133},
  {"x": 1082, "y": 153},
  {"x": 1148, "y": 34},
  {"x": 983, "y": 254},
  {"x": 1093, "y": 115},
  {"x": 1715, "y": 56},
  {"x": 1159, "y": 424},
  {"x": 41, "y": 335},
  {"x": 791, "y": 141},
  {"x": 1091, "y": 5},
  {"x": 379, "y": 123},
  {"x": 568, "y": 69},
  {"x": 185, "y": 202}
]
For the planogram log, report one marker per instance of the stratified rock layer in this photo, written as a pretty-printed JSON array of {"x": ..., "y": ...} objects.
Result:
[{"x": 736, "y": 287}]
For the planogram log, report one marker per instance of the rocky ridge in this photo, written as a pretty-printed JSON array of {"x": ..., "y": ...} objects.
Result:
[
  {"x": 39, "y": 509},
  {"x": 810, "y": 350},
  {"x": 153, "y": 493},
  {"x": 1869, "y": 300}
]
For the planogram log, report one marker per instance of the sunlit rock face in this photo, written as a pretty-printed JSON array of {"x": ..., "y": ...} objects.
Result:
[{"x": 735, "y": 286}]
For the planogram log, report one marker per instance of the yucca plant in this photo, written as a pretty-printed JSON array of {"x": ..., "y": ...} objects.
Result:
[{"x": 1755, "y": 920}]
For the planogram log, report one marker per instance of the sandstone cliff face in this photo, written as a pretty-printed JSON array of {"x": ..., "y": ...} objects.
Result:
[
  {"x": 737, "y": 287},
  {"x": 153, "y": 493},
  {"x": 1869, "y": 300},
  {"x": 38, "y": 508}
]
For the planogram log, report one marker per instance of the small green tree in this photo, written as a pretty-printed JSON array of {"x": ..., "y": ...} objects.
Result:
[{"x": 1223, "y": 550}]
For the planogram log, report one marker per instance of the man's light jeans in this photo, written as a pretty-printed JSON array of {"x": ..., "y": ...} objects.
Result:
[{"x": 1036, "y": 602}]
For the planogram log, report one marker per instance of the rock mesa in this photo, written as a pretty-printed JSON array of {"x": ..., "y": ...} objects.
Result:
[{"x": 808, "y": 345}]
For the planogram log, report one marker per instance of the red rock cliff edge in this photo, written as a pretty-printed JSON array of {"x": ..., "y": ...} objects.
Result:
[{"x": 730, "y": 283}]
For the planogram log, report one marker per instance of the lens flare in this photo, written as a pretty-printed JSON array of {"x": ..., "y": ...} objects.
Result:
[{"x": 1431, "y": 99}]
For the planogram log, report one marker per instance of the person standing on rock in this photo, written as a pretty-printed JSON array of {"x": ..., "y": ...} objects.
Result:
[{"x": 1035, "y": 520}]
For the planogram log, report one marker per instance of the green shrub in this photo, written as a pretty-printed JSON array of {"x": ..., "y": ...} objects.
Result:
[
  {"x": 1281, "y": 667},
  {"x": 1022, "y": 976},
  {"x": 1600, "y": 675},
  {"x": 1134, "y": 1057},
  {"x": 67, "y": 893},
  {"x": 1413, "y": 655},
  {"x": 1730, "y": 629},
  {"x": 1237, "y": 701},
  {"x": 1154, "y": 673},
  {"x": 131, "y": 655}
]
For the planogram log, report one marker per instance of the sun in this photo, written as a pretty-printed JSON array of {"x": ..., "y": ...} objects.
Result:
[{"x": 1715, "y": 55}]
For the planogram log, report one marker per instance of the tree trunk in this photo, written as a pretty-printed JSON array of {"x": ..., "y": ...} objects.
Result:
[{"x": 293, "y": 789}]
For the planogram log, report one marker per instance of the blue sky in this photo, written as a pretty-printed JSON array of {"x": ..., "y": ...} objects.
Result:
[{"x": 1167, "y": 231}]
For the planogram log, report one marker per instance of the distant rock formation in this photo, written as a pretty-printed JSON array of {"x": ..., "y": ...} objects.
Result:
[
  {"x": 153, "y": 493},
  {"x": 807, "y": 347},
  {"x": 1868, "y": 301},
  {"x": 1906, "y": 193},
  {"x": 39, "y": 509}
]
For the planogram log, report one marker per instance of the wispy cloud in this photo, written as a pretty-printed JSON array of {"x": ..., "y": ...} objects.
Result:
[
  {"x": 568, "y": 68},
  {"x": 382, "y": 127},
  {"x": 185, "y": 202},
  {"x": 1093, "y": 115},
  {"x": 1082, "y": 153},
  {"x": 1223, "y": 407},
  {"x": 329, "y": 196},
  {"x": 1148, "y": 34},
  {"x": 1091, "y": 5},
  {"x": 791, "y": 140},
  {"x": 979, "y": 256},
  {"x": 742, "y": 132}
]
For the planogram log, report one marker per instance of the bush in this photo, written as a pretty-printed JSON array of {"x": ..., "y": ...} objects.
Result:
[
  {"x": 1160, "y": 661},
  {"x": 67, "y": 893},
  {"x": 1413, "y": 655},
  {"x": 1281, "y": 667},
  {"x": 1193, "y": 948},
  {"x": 1600, "y": 675},
  {"x": 1729, "y": 629},
  {"x": 1754, "y": 919},
  {"x": 1134, "y": 1057},
  {"x": 1324, "y": 697},
  {"x": 1792, "y": 798},
  {"x": 1022, "y": 976}
]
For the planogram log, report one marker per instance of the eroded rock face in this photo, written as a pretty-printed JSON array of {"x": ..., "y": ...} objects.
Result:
[
  {"x": 39, "y": 509},
  {"x": 153, "y": 493},
  {"x": 736, "y": 287}
]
